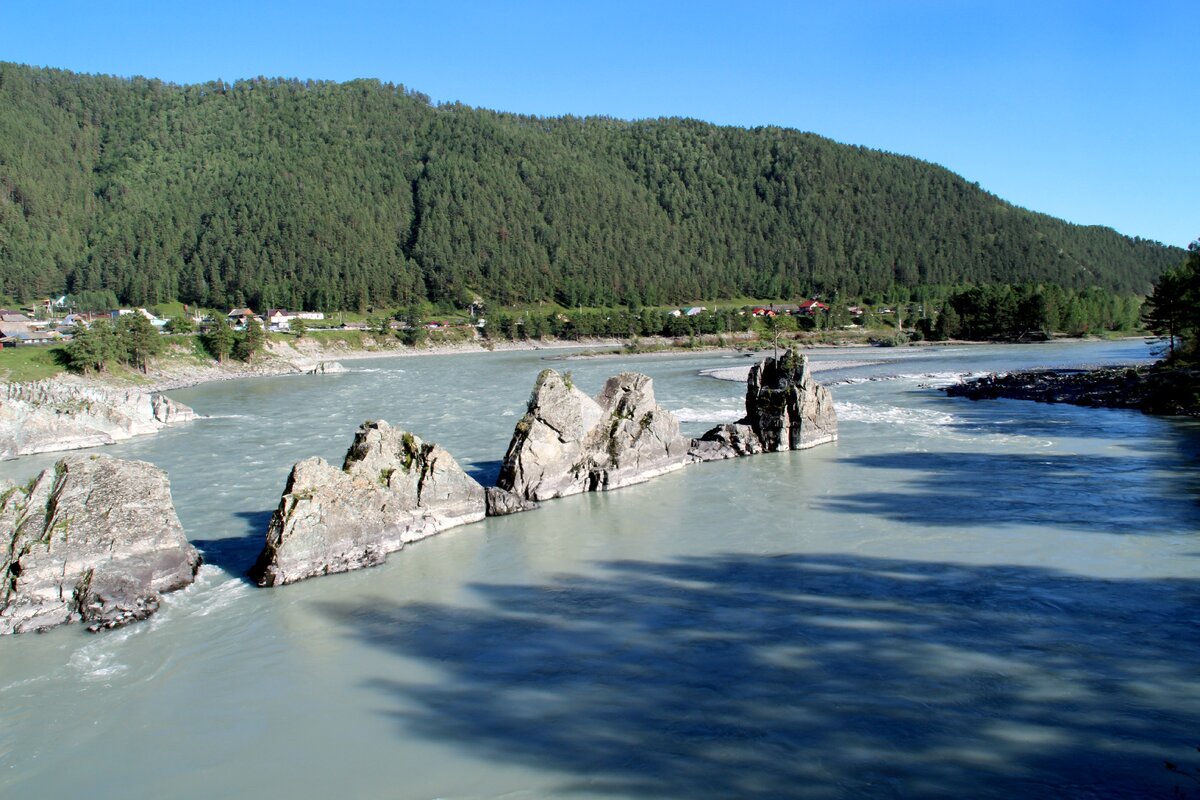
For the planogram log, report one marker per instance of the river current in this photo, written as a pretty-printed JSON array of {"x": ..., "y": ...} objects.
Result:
[{"x": 959, "y": 598}]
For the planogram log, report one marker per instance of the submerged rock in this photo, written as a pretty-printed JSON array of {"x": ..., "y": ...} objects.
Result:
[
  {"x": 392, "y": 489},
  {"x": 569, "y": 443},
  {"x": 786, "y": 408},
  {"x": 95, "y": 539},
  {"x": 327, "y": 368}
]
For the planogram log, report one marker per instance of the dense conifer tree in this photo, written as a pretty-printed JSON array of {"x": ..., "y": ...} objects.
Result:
[{"x": 316, "y": 195}]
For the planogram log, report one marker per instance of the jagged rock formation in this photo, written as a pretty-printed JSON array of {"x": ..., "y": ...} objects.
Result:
[
  {"x": 55, "y": 415},
  {"x": 568, "y": 443},
  {"x": 95, "y": 539},
  {"x": 392, "y": 489},
  {"x": 785, "y": 410}
]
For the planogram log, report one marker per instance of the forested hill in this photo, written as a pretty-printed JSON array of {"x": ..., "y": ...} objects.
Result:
[{"x": 323, "y": 195}]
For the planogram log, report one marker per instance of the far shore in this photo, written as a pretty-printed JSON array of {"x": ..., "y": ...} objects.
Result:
[{"x": 291, "y": 358}]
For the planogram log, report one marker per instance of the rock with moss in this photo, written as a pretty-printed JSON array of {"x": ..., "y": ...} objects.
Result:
[
  {"x": 569, "y": 443},
  {"x": 786, "y": 408},
  {"x": 392, "y": 489},
  {"x": 94, "y": 540}
]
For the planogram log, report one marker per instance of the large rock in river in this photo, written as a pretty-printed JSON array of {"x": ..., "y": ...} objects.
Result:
[
  {"x": 392, "y": 489},
  {"x": 569, "y": 443},
  {"x": 785, "y": 410},
  {"x": 95, "y": 539}
]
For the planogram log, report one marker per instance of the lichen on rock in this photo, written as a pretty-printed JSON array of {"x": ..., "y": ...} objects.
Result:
[
  {"x": 95, "y": 540},
  {"x": 569, "y": 443},
  {"x": 392, "y": 489}
]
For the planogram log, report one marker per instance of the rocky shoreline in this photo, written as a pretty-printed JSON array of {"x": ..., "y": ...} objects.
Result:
[
  {"x": 71, "y": 414},
  {"x": 1154, "y": 389}
]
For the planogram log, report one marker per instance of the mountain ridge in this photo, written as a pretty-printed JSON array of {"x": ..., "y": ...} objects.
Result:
[{"x": 341, "y": 195}]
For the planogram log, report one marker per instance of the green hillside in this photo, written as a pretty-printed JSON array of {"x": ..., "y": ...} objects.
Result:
[{"x": 323, "y": 195}]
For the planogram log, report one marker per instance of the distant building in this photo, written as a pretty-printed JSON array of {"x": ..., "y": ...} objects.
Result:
[
  {"x": 691, "y": 312},
  {"x": 810, "y": 307},
  {"x": 240, "y": 317},
  {"x": 122, "y": 312},
  {"x": 279, "y": 319}
]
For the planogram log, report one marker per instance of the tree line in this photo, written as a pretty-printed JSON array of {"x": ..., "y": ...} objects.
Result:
[
  {"x": 1173, "y": 309},
  {"x": 132, "y": 340},
  {"x": 317, "y": 195}
]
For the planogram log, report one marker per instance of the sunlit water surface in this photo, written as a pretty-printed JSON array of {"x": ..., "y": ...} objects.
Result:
[{"x": 957, "y": 599}]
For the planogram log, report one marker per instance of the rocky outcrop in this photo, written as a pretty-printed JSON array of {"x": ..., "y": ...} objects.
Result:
[
  {"x": 786, "y": 408},
  {"x": 392, "y": 489},
  {"x": 569, "y": 443},
  {"x": 327, "y": 368},
  {"x": 56, "y": 415},
  {"x": 726, "y": 441},
  {"x": 93, "y": 540},
  {"x": 1155, "y": 389}
]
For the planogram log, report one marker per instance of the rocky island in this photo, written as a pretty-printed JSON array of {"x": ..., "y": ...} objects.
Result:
[
  {"x": 94, "y": 540},
  {"x": 1155, "y": 389},
  {"x": 569, "y": 443},
  {"x": 393, "y": 488}
]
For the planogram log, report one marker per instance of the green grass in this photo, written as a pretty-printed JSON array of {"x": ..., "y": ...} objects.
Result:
[{"x": 32, "y": 363}]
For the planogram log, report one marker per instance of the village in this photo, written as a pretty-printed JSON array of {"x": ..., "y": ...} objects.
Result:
[{"x": 55, "y": 320}]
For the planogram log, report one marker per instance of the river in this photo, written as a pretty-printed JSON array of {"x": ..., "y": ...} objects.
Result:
[{"x": 958, "y": 598}]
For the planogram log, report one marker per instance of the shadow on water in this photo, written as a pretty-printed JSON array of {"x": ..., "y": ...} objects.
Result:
[
  {"x": 810, "y": 676},
  {"x": 1107, "y": 494},
  {"x": 236, "y": 554},
  {"x": 1028, "y": 418},
  {"x": 486, "y": 472}
]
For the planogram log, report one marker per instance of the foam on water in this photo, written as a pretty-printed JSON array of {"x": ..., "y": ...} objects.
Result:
[
  {"x": 716, "y": 415},
  {"x": 928, "y": 423}
]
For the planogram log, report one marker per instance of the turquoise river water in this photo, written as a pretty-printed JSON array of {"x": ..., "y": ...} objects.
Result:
[{"x": 958, "y": 599}]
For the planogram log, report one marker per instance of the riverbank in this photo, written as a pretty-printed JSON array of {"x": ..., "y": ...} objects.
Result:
[{"x": 1154, "y": 389}]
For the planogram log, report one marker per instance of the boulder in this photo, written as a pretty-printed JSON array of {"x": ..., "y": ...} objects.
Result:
[
  {"x": 569, "y": 443},
  {"x": 95, "y": 540},
  {"x": 392, "y": 489},
  {"x": 501, "y": 503},
  {"x": 726, "y": 441},
  {"x": 785, "y": 407}
]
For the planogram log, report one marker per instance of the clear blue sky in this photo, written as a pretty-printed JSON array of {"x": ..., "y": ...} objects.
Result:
[{"x": 1085, "y": 109}]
